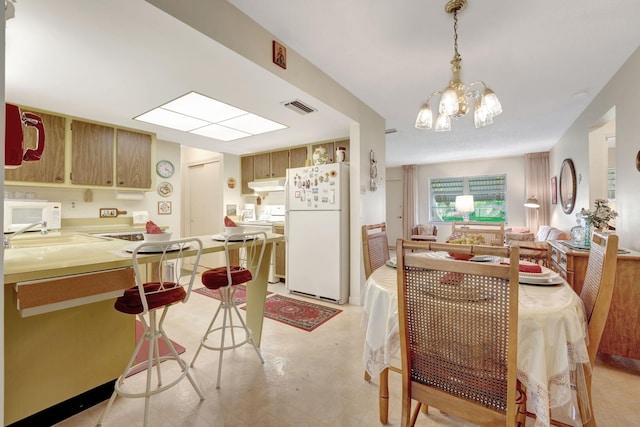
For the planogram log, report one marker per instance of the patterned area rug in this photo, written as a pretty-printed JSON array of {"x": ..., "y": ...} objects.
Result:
[
  {"x": 300, "y": 314},
  {"x": 144, "y": 350},
  {"x": 239, "y": 298}
]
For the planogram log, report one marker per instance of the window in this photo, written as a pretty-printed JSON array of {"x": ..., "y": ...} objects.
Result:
[
  {"x": 611, "y": 184},
  {"x": 489, "y": 198}
]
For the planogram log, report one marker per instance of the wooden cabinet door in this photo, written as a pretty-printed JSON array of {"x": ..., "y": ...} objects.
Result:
[
  {"x": 262, "y": 166},
  {"x": 246, "y": 173},
  {"x": 133, "y": 159},
  {"x": 297, "y": 157},
  {"x": 50, "y": 167},
  {"x": 279, "y": 163},
  {"x": 92, "y": 154}
]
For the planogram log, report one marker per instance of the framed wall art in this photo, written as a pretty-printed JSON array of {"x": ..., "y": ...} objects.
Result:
[
  {"x": 164, "y": 208},
  {"x": 554, "y": 190},
  {"x": 279, "y": 55}
]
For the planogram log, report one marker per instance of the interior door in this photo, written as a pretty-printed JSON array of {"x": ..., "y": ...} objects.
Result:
[
  {"x": 394, "y": 211},
  {"x": 204, "y": 192}
]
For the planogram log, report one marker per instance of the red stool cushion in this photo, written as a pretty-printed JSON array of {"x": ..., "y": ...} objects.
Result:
[
  {"x": 130, "y": 302},
  {"x": 217, "y": 277}
]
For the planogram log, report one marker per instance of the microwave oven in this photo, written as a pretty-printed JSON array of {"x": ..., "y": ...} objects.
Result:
[{"x": 20, "y": 213}]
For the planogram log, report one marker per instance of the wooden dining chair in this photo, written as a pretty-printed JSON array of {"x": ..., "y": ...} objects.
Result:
[
  {"x": 596, "y": 294},
  {"x": 375, "y": 247},
  {"x": 458, "y": 332}
]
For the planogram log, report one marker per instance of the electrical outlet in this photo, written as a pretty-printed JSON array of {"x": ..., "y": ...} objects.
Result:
[
  {"x": 73, "y": 205},
  {"x": 108, "y": 213}
]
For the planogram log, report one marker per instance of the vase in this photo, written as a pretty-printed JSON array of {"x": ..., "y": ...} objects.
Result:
[{"x": 587, "y": 233}]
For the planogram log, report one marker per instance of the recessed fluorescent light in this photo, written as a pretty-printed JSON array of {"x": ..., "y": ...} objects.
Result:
[
  {"x": 220, "y": 132},
  {"x": 171, "y": 120},
  {"x": 199, "y": 114},
  {"x": 252, "y": 124},
  {"x": 202, "y": 107}
]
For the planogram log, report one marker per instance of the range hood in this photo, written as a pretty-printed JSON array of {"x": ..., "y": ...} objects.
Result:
[{"x": 267, "y": 185}]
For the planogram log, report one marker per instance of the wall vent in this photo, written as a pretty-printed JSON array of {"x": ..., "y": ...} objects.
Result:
[{"x": 299, "y": 106}]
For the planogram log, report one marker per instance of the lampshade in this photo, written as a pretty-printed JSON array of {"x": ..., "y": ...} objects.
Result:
[
  {"x": 464, "y": 204},
  {"x": 532, "y": 202}
]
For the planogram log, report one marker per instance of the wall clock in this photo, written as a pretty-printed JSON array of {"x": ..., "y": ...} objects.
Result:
[{"x": 165, "y": 168}]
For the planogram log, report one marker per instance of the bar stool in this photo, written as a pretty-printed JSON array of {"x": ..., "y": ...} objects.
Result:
[
  {"x": 165, "y": 287},
  {"x": 243, "y": 255}
]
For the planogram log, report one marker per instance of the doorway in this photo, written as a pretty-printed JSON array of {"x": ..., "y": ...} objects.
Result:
[
  {"x": 394, "y": 210},
  {"x": 204, "y": 205}
]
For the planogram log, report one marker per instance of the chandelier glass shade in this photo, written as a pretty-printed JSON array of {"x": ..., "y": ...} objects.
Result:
[{"x": 456, "y": 98}]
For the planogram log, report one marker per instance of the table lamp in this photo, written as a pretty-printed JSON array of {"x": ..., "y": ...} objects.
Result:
[{"x": 464, "y": 204}]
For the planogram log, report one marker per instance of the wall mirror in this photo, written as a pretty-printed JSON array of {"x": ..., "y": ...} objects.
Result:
[{"x": 568, "y": 186}]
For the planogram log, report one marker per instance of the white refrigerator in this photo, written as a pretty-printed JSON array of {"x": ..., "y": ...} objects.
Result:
[{"x": 317, "y": 231}]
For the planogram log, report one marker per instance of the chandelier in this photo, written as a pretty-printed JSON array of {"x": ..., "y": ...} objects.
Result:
[{"x": 456, "y": 98}]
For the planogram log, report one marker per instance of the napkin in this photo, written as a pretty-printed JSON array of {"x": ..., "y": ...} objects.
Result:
[{"x": 527, "y": 268}]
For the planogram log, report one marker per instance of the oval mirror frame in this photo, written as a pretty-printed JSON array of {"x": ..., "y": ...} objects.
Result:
[{"x": 567, "y": 186}]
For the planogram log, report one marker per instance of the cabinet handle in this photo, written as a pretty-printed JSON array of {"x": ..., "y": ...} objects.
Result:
[
  {"x": 121, "y": 183},
  {"x": 58, "y": 178},
  {"x": 108, "y": 181}
]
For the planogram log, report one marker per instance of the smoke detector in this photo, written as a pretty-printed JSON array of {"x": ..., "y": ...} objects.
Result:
[{"x": 299, "y": 106}]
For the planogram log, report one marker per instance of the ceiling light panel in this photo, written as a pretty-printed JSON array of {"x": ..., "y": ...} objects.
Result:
[
  {"x": 201, "y": 115},
  {"x": 171, "y": 120},
  {"x": 202, "y": 107},
  {"x": 252, "y": 124},
  {"x": 220, "y": 132}
]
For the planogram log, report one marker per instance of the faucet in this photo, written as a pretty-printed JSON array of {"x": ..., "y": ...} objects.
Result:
[{"x": 43, "y": 231}]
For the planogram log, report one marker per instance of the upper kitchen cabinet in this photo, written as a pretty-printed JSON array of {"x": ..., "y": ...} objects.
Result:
[
  {"x": 246, "y": 172},
  {"x": 50, "y": 167},
  {"x": 262, "y": 166},
  {"x": 94, "y": 148},
  {"x": 297, "y": 157},
  {"x": 279, "y": 163},
  {"x": 133, "y": 159},
  {"x": 92, "y": 154}
]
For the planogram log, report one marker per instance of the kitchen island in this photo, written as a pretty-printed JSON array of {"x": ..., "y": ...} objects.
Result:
[{"x": 62, "y": 335}]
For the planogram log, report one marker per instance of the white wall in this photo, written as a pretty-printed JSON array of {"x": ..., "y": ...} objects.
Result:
[
  {"x": 513, "y": 167},
  {"x": 622, "y": 92}
]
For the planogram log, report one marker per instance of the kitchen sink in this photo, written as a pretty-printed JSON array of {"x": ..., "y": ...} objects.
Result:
[{"x": 54, "y": 240}]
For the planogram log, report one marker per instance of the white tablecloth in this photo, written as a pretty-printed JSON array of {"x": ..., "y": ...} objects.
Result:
[{"x": 551, "y": 341}]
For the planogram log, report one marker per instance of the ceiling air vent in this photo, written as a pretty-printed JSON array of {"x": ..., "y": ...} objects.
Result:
[{"x": 298, "y": 106}]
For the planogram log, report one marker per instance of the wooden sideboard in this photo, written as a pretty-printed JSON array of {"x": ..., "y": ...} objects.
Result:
[{"x": 621, "y": 335}]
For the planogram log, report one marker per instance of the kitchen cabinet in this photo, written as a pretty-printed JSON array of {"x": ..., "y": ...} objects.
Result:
[
  {"x": 298, "y": 157},
  {"x": 50, "y": 167},
  {"x": 279, "y": 163},
  {"x": 133, "y": 159},
  {"x": 621, "y": 336},
  {"x": 92, "y": 154},
  {"x": 262, "y": 166},
  {"x": 58, "y": 355},
  {"x": 280, "y": 254},
  {"x": 246, "y": 173}
]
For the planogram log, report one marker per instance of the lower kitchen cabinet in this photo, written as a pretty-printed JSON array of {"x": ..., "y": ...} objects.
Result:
[
  {"x": 280, "y": 257},
  {"x": 57, "y": 355},
  {"x": 621, "y": 335}
]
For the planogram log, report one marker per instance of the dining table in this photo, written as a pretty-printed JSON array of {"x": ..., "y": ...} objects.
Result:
[{"x": 552, "y": 358}]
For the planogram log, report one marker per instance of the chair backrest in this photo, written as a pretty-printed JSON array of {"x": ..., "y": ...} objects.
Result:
[
  {"x": 458, "y": 330},
  {"x": 597, "y": 289},
  {"x": 244, "y": 251},
  {"x": 375, "y": 247},
  {"x": 492, "y": 232},
  {"x": 165, "y": 268}
]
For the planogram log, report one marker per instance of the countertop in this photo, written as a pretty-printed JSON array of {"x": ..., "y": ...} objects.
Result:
[{"x": 44, "y": 262}]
